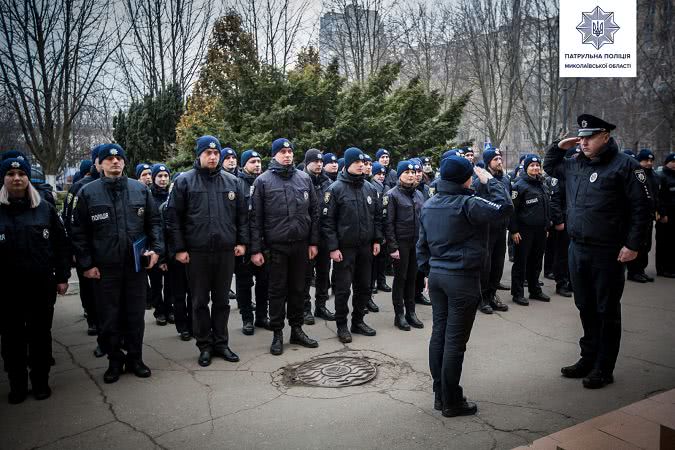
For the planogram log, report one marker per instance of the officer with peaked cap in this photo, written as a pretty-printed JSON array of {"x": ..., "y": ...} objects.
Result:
[
  {"x": 608, "y": 208},
  {"x": 112, "y": 214},
  {"x": 665, "y": 223},
  {"x": 351, "y": 226},
  {"x": 636, "y": 268},
  {"x": 285, "y": 235}
]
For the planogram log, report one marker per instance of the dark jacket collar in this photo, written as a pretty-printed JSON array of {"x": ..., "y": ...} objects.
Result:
[
  {"x": 356, "y": 180},
  {"x": 206, "y": 172},
  {"x": 452, "y": 188},
  {"x": 282, "y": 171}
]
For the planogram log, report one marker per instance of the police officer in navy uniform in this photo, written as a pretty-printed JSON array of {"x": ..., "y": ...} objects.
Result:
[
  {"x": 330, "y": 166},
  {"x": 561, "y": 271},
  {"x": 244, "y": 269},
  {"x": 144, "y": 173},
  {"x": 229, "y": 157},
  {"x": 608, "y": 211},
  {"x": 34, "y": 266},
  {"x": 207, "y": 217},
  {"x": 451, "y": 248},
  {"x": 284, "y": 225},
  {"x": 493, "y": 269},
  {"x": 402, "y": 206},
  {"x": 665, "y": 223},
  {"x": 321, "y": 263},
  {"x": 160, "y": 290},
  {"x": 383, "y": 157},
  {"x": 111, "y": 214},
  {"x": 528, "y": 226},
  {"x": 351, "y": 226},
  {"x": 636, "y": 268},
  {"x": 378, "y": 276}
]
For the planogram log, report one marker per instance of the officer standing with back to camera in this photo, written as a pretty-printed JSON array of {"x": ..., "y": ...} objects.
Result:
[
  {"x": 207, "y": 217},
  {"x": 351, "y": 225},
  {"x": 665, "y": 224},
  {"x": 244, "y": 269},
  {"x": 34, "y": 267},
  {"x": 528, "y": 225},
  {"x": 111, "y": 215},
  {"x": 493, "y": 269},
  {"x": 451, "y": 249},
  {"x": 607, "y": 217},
  {"x": 284, "y": 225},
  {"x": 321, "y": 263},
  {"x": 636, "y": 268}
]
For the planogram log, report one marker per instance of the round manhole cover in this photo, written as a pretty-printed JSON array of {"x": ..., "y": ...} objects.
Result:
[{"x": 337, "y": 371}]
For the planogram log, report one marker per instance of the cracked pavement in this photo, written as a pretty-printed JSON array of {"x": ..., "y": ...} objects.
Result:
[{"x": 511, "y": 370}]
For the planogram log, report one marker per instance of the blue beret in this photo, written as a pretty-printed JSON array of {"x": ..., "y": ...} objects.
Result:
[
  {"x": 107, "y": 150},
  {"x": 280, "y": 143},
  {"x": 157, "y": 168},
  {"x": 404, "y": 165},
  {"x": 381, "y": 152},
  {"x": 645, "y": 154},
  {"x": 456, "y": 169},
  {"x": 19, "y": 162},
  {"x": 379, "y": 168},
  {"x": 142, "y": 167},
  {"x": 353, "y": 154},
  {"x": 248, "y": 154},
  {"x": 329, "y": 158},
  {"x": 206, "y": 142}
]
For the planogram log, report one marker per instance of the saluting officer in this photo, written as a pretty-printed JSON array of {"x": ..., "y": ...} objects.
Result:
[
  {"x": 531, "y": 218},
  {"x": 493, "y": 269},
  {"x": 451, "y": 248},
  {"x": 321, "y": 263},
  {"x": 607, "y": 216},
  {"x": 284, "y": 224},
  {"x": 244, "y": 269},
  {"x": 160, "y": 290},
  {"x": 34, "y": 266},
  {"x": 402, "y": 206},
  {"x": 112, "y": 215},
  {"x": 665, "y": 224},
  {"x": 636, "y": 268},
  {"x": 207, "y": 216},
  {"x": 383, "y": 157},
  {"x": 351, "y": 225}
]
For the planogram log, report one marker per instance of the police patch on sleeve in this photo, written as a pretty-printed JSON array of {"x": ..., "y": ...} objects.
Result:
[
  {"x": 554, "y": 181},
  {"x": 325, "y": 211},
  {"x": 385, "y": 200},
  {"x": 432, "y": 191},
  {"x": 141, "y": 212},
  {"x": 369, "y": 200},
  {"x": 326, "y": 197},
  {"x": 251, "y": 191},
  {"x": 640, "y": 175},
  {"x": 514, "y": 195},
  {"x": 231, "y": 195},
  {"x": 306, "y": 195}
]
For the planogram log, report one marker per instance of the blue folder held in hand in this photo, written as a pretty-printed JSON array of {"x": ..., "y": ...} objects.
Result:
[{"x": 140, "y": 246}]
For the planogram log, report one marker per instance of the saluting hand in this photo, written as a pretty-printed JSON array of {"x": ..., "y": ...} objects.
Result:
[
  {"x": 626, "y": 255},
  {"x": 482, "y": 174},
  {"x": 313, "y": 251},
  {"x": 336, "y": 255},
  {"x": 568, "y": 143},
  {"x": 258, "y": 259},
  {"x": 62, "y": 288},
  {"x": 239, "y": 250}
]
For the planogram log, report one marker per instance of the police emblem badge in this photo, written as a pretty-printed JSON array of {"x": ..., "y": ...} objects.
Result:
[
  {"x": 45, "y": 233},
  {"x": 385, "y": 200},
  {"x": 369, "y": 200},
  {"x": 231, "y": 195},
  {"x": 306, "y": 195},
  {"x": 554, "y": 181},
  {"x": 326, "y": 197},
  {"x": 514, "y": 195},
  {"x": 432, "y": 191},
  {"x": 140, "y": 212},
  {"x": 640, "y": 175},
  {"x": 16, "y": 165},
  {"x": 325, "y": 211},
  {"x": 594, "y": 176}
]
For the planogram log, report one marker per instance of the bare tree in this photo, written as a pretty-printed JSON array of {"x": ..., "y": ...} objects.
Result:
[
  {"x": 52, "y": 55},
  {"x": 489, "y": 32},
  {"x": 166, "y": 46}
]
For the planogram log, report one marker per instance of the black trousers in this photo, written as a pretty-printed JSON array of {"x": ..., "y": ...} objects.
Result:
[
  {"x": 639, "y": 264},
  {"x": 419, "y": 284},
  {"x": 321, "y": 266},
  {"x": 665, "y": 246},
  {"x": 25, "y": 327},
  {"x": 550, "y": 251},
  {"x": 405, "y": 274},
  {"x": 378, "y": 270},
  {"x": 561, "y": 267},
  {"x": 527, "y": 261},
  {"x": 87, "y": 297},
  {"x": 454, "y": 301},
  {"x": 160, "y": 292},
  {"x": 180, "y": 296},
  {"x": 353, "y": 270},
  {"x": 209, "y": 278},
  {"x": 598, "y": 280},
  {"x": 120, "y": 300},
  {"x": 493, "y": 268},
  {"x": 287, "y": 266},
  {"x": 245, "y": 271}
]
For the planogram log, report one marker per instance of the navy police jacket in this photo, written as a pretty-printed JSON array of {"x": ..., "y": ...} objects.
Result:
[
  {"x": 531, "y": 204},
  {"x": 207, "y": 211},
  {"x": 608, "y": 200},
  {"x": 401, "y": 210},
  {"x": 666, "y": 205},
  {"x": 454, "y": 226},
  {"x": 110, "y": 215}
]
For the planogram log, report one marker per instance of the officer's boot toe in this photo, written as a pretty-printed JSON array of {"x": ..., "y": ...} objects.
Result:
[
  {"x": 363, "y": 328},
  {"x": 40, "y": 386},
  {"x": 300, "y": 338},
  {"x": 563, "y": 291},
  {"x": 579, "y": 369},
  {"x": 247, "y": 328},
  {"x": 308, "y": 318},
  {"x": 540, "y": 296},
  {"x": 647, "y": 277},
  {"x": 597, "y": 379},
  {"x": 185, "y": 336},
  {"x": 497, "y": 305},
  {"x": 422, "y": 300},
  {"x": 637, "y": 277},
  {"x": 438, "y": 402},
  {"x": 384, "y": 287},
  {"x": 463, "y": 408},
  {"x": 372, "y": 306},
  {"x": 343, "y": 334},
  {"x": 503, "y": 287},
  {"x": 520, "y": 300},
  {"x": 324, "y": 313},
  {"x": 171, "y": 318},
  {"x": 204, "y": 358},
  {"x": 113, "y": 373},
  {"x": 18, "y": 388},
  {"x": 98, "y": 352},
  {"x": 17, "y": 396},
  {"x": 139, "y": 369},
  {"x": 277, "y": 347},
  {"x": 262, "y": 322},
  {"x": 161, "y": 320},
  {"x": 401, "y": 323},
  {"x": 227, "y": 354},
  {"x": 413, "y": 320},
  {"x": 485, "y": 307}
]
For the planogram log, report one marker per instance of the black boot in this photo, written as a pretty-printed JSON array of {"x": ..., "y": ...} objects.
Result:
[
  {"x": 363, "y": 328},
  {"x": 113, "y": 373},
  {"x": 18, "y": 388},
  {"x": 372, "y": 307},
  {"x": 597, "y": 379},
  {"x": 277, "y": 347},
  {"x": 422, "y": 300},
  {"x": 343, "y": 333},
  {"x": 485, "y": 307},
  {"x": 412, "y": 319},
  {"x": 540, "y": 296},
  {"x": 309, "y": 317},
  {"x": 497, "y": 305},
  {"x": 262, "y": 322},
  {"x": 98, "y": 352},
  {"x": 324, "y": 313},
  {"x": 579, "y": 369},
  {"x": 40, "y": 386},
  {"x": 204, "y": 358},
  {"x": 462, "y": 408},
  {"x": 248, "y": 329},
  {"x": 563, "y": 291},
  {"x": 384, "y": 287},
  {"x": 138, "y": 368},
  {"x": 227, "y": 354},
  {"x": 299, "y": 337},
  {"x": 161, "y": 320},
  {"x": 401, "y": 323}
]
